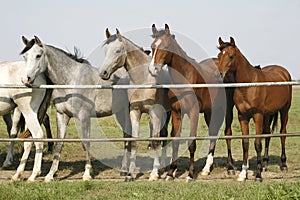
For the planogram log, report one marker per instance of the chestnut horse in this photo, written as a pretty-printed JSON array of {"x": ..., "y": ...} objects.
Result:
[
  {"x": 190, "y": 101},
  {"x": 260, "y": 103}
]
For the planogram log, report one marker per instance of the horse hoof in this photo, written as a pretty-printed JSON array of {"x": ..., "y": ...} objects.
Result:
[
  {"x": 86, "y": 178},
  {"x": 30, "y": 180},
  {"x": 123, "y": 173},
  {"x": 6, "y": 165},
  {"x": 16, "y": 177},
  {"x": 284, "y": 169},
  {"x": 128, "y": 179},
  {"x": 205, "y": 173},
  {"x": 189, "y": 179},
  {"x": 258, "y": 179},
  {"x": 264, "y": 169},
  {"x": 169, "y": 178},
  {"x": 241, "y": 179},
  {"x": 231, "y": 172},
  {"x": 153, "y": 178},
  {"x": 48, "y": 179}
]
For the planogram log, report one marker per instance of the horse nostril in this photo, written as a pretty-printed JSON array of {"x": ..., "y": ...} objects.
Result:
[{"x": 105, "y": 72}]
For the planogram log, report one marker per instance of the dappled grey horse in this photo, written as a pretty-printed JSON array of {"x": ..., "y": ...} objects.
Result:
[
  {"x": 120, "y": 52},
  {"x": 28, "y": 101},
  {"x": 64, "y": 69}
]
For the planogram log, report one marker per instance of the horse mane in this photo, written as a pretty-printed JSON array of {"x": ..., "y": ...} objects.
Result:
[
  {"x": 76, "y": 56},
  {"x": 114, "y": 37}
]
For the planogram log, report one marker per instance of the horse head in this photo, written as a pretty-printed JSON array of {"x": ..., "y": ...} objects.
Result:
[
  {"x": 115, "y": 54},
  {"x": 162, "y": 49},
  {"x": 226, "y": 56},
  {"x": 35, "y": 59}
]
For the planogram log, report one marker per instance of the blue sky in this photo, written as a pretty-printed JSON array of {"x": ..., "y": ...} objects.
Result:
[{"x": 266, "y": 31}]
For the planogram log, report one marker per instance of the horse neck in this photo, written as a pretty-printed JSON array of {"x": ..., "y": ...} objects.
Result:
[
  {"x": 137, "y": 63},
  {"x": 245, "y": 72},
  {"x": 61, "y": 68},
  {"x": 182, "y": 64}
]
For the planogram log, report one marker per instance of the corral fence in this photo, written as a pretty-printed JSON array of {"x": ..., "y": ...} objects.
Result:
[{"x": 163, "y": 86}]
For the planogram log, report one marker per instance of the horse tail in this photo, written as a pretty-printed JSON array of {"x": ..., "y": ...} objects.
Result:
[
  {"x": 275, "y": 122},
  {"x": 45, "y": 103}
]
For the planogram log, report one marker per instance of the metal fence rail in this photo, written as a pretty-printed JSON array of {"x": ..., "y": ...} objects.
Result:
[
  {"x": 296, "y": 134},
  {"x": 171, "y": 86}
]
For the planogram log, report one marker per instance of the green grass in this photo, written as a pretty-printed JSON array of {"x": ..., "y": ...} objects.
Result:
[
  {"x": 145, "y": 190},
  {"x": 106, "y": 185}
]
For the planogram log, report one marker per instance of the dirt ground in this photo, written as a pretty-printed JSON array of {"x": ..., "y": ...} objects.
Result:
[{"x": 71, "y": 169}]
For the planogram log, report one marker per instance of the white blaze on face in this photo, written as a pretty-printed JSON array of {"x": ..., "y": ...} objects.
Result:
[
  {"x": 224, "y": 52},
  {"x": 152, "y": 67}
]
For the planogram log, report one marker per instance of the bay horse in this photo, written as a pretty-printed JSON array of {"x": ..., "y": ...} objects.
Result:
[
  {"x": 121, "y": 52},
  {"x": 28, "y": 101},
  {"x": 260, "y": 103},
  {"x": 190, "y": 101},
  {"x": 65, "y": 69}
]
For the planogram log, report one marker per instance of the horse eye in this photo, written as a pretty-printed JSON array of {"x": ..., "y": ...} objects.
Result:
[
  {"x": 231, "y": 57},
  {"x": 38, "y": 56},
  {"x": 166, "y": 47},
  {"x": 118, "y": 51}
]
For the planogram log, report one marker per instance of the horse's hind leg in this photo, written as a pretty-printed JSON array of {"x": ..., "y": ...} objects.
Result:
[
  {"x": 284, "y": 119},
  {"x": 9, "y": 157},
  {"x": 62, "y": 121},
  {"x": 266, "y": 130},
  {"x": 46, "y": 123}
]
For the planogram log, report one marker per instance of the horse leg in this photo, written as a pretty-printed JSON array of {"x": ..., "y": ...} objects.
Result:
[
  {"x": 156, "y": 116},
  {"x": 258, "y": 119},
  {"x": 85, "y": 129},
  {"x": 62, "y": 121},
  {"x": 266, "y": 130},
  {"x": 228, "y": 132},
  {"x": 37, "y": 132},
  {"x": 46, "y": 123},
  {"x": 244, "y": 123},
  {"x": 135, "y": 116},
  {"x": 9, "y": 157},
  {"x": 164, "y": 133},
  {"x": 283, "y": 119},
  {"x": 213, "y": 128},
  {"x": 176, "y": 131},
  {"x": 124, "y": 121}
]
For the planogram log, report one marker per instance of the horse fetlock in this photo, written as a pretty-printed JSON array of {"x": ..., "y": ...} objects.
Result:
[
  {"x": 49, "y": 178},
  {"x": 189, "y": 179}
]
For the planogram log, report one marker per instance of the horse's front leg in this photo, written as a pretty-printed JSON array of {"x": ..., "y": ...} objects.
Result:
[
  {"x": 135, "y": 116},
  {"x": 37, "y": 132},
  {"x": 176, "y": 131},
  {"x": 244, "y": 123},
  {"x": 194, "y": 117},
  {"x": 123, "y": 119},
  {"x": 62, "y": 121},
  {"x": 156, "y": 116},
  {"x": 85, "y": 129},
  {"x": 258, "y": 119}
]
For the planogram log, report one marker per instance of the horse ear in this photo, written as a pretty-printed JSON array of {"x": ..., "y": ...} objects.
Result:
[
  {"x": 232, "y": 42},
  {"x": 25, "y": 40},
  {"x": 220, "y": 41},
  {"x": 107, "y": 33},
  {"x": 154, "y": 30},
  {"x": 167, "y": 29},
  {"x": 119, "y": 35},
  {"x": 38, "y": 41}
]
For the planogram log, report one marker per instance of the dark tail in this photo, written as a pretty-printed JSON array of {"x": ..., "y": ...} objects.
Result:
[{"x": 275, "y": 122}]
